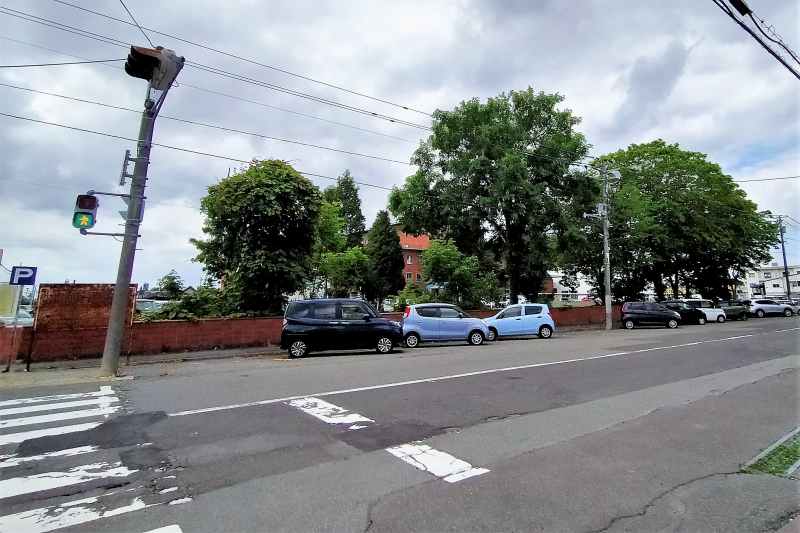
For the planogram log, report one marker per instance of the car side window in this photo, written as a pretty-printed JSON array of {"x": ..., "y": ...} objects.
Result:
[
  {"x": 354, "y": 311},
  {"x": 298, "y": 310},
  {"x": 428, "y": 312},
  {"x": 325, "y": 311},
  {"x": 448, "y": 312},
  {"x": 768, "y": 302},
  {"x": 654, "y": 307},
  {"x": 512, "y": 312},
  {"x": 533, "y": 309}
]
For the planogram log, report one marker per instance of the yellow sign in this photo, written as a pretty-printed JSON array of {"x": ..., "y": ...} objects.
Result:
[{"x": 9, "y": 296}]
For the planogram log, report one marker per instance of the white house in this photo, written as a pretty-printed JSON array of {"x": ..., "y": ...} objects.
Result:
[{"x": 768, "y": 281}]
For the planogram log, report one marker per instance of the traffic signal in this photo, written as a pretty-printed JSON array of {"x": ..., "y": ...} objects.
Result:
[
  {"x": 85, "y": 213},
  {"x": 159, "y": 65}
]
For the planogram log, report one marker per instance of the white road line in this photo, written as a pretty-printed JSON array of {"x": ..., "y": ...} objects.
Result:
[
  {"x": 105, "y": 390},
  {"x": 11, "y": 438},
  {"x": 57, "y": 417},
  {"x": 102, "y": 401},
  {"x": 452, "y": 376},
  {"x": 440, "y": 464},
  {"x": 13, "y": 460},
  {"x": 53, "y": 480},
  {"x": 174, "y": 528},
  {"x": 329, "y": 413},
  {"x": 64, "y": 515}
]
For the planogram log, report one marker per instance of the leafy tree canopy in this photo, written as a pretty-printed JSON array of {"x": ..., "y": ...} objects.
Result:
[
  {"x": 170, "y": 285},
  {"x": 497, "y": 176},
  {"x": 260, "y": 229},
  {"x": 385, "y": 257},
  {"x": 345, "y": 193},
  {"x": 347, "y": 272}
]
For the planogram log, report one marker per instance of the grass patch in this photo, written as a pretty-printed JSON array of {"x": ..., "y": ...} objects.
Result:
[{"x": 778, "y": 460}]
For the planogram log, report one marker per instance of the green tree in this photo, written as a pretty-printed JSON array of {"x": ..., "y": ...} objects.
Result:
[
  {"x": 346, "y": 272},
  {"x": 460, "y": 278},
  {"x": 385, "y": 257},
  {"x": 497, "y": 176},
  {"x": 330, "y": 228},
  {"x": 345, "y": 193},
  {"x": 170, "y": 285},
  {"x": 676, "y": 221},
  {"x": 260, "y": 227}
]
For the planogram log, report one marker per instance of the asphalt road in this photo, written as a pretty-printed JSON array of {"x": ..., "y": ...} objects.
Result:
[{"x": 642, "y": 430}]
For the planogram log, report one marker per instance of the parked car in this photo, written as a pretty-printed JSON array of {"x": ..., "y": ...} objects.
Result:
[
  {"x": 441, "y": 322},
  {"x": 713, "y": 314},
  {"x": 336, "y": 324},
  {"x": 144, "y": 305},
  {"x": 793, "y": 303},
  {"x": 689, "y": 315},
  {"x": 735, "y": 310},
  {"x": 521, "y": 319},
  {"x": 764, "y": 307},
  {"x": 648, "y": 314}
]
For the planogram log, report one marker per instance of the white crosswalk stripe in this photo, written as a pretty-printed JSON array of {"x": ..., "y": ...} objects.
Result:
[{"x": 35, "y": 488}]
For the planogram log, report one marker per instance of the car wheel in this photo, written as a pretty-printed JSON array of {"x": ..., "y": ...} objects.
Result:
[
  {"x": 629, "y": 324},
  {"x": 412, "y": 340},
  {"x": 672, "y": 323},
  {"x": 787, "y": 312},
  {"x": 545, "y": 332},
  {"x": 475, "y": 338},
  {"x": 492, "y": 334},
  {"x": 701, "y": 320},
  {"x": 721, "y": 319},
  {"x": 297, "y": 349},
  {"x": 384, "y": 345},
  {"x": 760, "y": 313}
]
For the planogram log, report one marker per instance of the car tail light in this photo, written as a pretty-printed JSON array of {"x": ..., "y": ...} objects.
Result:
[
  {"x": 284, "y": 323},
  {"x": 407, "y": 311}
]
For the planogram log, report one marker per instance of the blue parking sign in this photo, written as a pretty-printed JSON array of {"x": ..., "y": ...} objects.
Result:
[{"x": 21, "y": 275}]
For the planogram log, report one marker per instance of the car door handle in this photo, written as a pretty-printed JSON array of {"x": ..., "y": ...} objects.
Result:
[{"x": 518, "y": 319}]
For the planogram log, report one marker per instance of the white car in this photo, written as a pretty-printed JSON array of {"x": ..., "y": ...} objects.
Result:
[
  {"x": 24, "y": 318},
  {"x": 764, "y": 307},
  {"x": 713, "y": 314}
]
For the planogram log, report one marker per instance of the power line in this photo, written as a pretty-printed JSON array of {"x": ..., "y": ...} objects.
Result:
[
  {"x": 60, "y": 64},
  {"x": 170, "y": 147},
  {"x": 226, "y": 95},
  {"x": 128, "y": 11},
  {"x": 777, "y": 39},
  {"x": 725, "y": 9},
  {"x": 768, "y": 179},
  {"x": 213, "y": 70},
  {"x": 247, "y": 60},
  {"x": 207, "y": 125}
]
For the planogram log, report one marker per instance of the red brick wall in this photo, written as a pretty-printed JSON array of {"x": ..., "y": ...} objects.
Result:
[
  {"x": 414, "y": 268},
  {"x": 205, "y": 334}
]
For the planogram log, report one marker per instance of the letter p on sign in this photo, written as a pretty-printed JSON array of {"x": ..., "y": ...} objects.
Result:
[{"x": 21, "y": 275}]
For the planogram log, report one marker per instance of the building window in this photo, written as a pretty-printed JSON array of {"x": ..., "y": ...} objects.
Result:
[
  {"x": 776, "y": 285},
  {"x": 419, "y": 276},
  {"x": 409, "y": 259},
  {"x": 767, "y": 275},
  {"x": 795, "y": 283},
  {"x": 408, "y": 276}
]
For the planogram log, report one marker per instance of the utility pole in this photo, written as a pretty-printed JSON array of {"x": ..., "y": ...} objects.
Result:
[
  {"x": 785, "y": 266},
  {"x": 606, "y": 253},
  {"x": 159, "y": 67}
]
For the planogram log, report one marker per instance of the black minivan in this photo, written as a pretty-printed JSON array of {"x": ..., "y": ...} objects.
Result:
[
  {"x": 648, "y": 314},
  {"x": 336, "y": 324}
]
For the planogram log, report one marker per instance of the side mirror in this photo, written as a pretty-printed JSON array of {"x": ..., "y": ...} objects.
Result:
[
  {"x": 461, "y": 315},
  {"x": 366, "y": 317}
]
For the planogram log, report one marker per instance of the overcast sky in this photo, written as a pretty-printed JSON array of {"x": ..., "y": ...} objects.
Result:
[{"x": 634, "y": 71}]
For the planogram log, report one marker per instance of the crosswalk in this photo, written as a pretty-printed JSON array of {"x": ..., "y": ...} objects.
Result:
[{"x": 55, "y": 472}]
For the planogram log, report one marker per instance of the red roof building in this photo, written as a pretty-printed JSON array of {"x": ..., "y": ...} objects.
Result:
[{"x": 413, "y": 246}]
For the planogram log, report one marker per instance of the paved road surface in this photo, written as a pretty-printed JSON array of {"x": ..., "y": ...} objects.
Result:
[{"x": 621, "y": 431}]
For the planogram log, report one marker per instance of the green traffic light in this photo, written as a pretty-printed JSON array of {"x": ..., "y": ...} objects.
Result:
[{"x": 83, "y": 220}]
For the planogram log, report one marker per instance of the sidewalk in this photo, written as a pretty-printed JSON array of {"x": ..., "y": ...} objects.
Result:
[{"x": 48, "y": 373}]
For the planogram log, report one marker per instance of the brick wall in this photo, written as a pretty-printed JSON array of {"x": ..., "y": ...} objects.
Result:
[{"x": 182, "y": 335}]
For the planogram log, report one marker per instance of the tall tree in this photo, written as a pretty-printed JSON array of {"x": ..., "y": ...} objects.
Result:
[
  {"x": 386, "y": 258},
  {"x": 260, "y": 231},
  {"x": 497, "y": 176},
  {"x": 459, "y": 277},
  {"x": 170, "y": 285},
  {"x": 351, "y": 209},
  {"x": 678, "y": 222},
  {"x": 347, "y": 272}
]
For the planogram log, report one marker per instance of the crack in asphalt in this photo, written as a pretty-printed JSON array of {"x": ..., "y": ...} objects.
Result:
[{"x": 658, "y": 497}]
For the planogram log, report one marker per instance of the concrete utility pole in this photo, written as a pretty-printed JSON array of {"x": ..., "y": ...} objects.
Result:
[
  {"x": 159, "y": 67},
  {"x": 606, "y": 253},
  {"x": 785, "y": 266}
]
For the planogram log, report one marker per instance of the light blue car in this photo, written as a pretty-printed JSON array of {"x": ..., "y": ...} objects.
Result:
[
  {"x": 441, "y": 322},
  {"x": 521, "y": 319}
]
